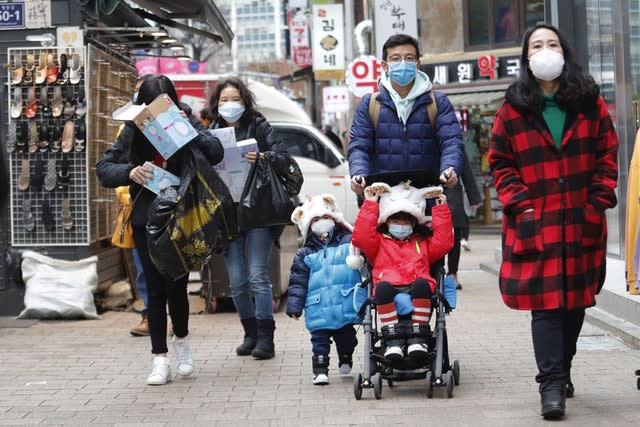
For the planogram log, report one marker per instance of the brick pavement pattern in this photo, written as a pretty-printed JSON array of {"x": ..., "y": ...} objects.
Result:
[{"x": 94, "y": 373}]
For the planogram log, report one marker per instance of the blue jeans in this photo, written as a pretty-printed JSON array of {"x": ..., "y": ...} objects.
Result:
[
  {"x": 247, "y": 262},
  {"x": 141, "y": 282}
]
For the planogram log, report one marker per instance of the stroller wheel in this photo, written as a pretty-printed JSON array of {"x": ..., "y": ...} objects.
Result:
[
  {"x": 377, "y": 385},
  {"x": 357, "y": 386},
  {"x": 456, "y": 372},
  {"x": 429, "y": 382},
  {"x": 450, "y": 382}
]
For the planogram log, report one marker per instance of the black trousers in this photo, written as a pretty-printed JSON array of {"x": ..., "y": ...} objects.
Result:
[
  {"x": 162, "y": 291},
  {"x": 555, "y": 335},
  {"x": 453, "y": 257},
  {"x": 344, "y": 337}
]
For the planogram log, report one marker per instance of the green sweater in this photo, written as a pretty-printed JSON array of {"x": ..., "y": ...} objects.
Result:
[{"x": 554, "y": 117}]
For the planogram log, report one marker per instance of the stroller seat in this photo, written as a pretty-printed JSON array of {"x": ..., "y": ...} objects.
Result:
[{"x": 435, "y": 367}]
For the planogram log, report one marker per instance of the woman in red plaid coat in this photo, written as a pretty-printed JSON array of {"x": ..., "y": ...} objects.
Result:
[{"x": 553, "y": 156}]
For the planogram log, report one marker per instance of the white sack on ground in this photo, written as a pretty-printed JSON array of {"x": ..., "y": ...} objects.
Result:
[{"x": 58, "y": 289}]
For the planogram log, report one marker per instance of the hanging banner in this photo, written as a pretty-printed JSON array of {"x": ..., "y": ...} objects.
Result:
[
  {"x": 394, "y": 17},
  {"x": 16, "y": 15},
  {"x": 328, "y": 42},
  {"x": 335, "y": 99},
  {"x": 299, "y": 36}
]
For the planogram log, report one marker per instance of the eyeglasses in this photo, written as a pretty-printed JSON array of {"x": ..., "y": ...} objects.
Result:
[{"x": 410, "y": 58}]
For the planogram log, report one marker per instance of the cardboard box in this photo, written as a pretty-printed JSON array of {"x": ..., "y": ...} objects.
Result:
[{"x": 161, "y": 122}]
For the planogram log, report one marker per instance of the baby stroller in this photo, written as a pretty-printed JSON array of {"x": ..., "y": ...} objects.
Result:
[{"x": 436, "y": 369}]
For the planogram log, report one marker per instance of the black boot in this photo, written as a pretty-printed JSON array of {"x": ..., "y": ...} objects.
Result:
[
  {"x": 552, "y": 403},
  {"x": 394, "y": 337},
  {"x": 250, "y": 337},
  {"x": 320, "y": 369},
  {"x": 264, "y": 347},
  {"x": 417, "y": 343},
  {"x": 345, "y": 363}
]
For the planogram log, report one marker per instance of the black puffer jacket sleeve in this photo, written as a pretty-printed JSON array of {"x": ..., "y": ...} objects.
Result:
[
  {"x": 210, "y": 146},
  {"x": 114, "y": 167},
  {"x": 269, "y": 140}
]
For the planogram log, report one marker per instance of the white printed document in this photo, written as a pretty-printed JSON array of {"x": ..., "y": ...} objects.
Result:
[
  {"x": 234, "y": 168},
  {"x": 161, "y": 179}
]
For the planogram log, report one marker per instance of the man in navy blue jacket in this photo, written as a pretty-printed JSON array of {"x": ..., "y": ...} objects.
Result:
[{"x": 404, "y": 138}]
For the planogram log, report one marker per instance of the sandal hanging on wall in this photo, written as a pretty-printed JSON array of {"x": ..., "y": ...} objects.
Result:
[
  {"x": 25, "y": 175},
  {"x": 38, "y": 176},
  {"x": 16, "y": 103},
  {"x": 12, "y": 137},
  {"x": 41, "y": 70},
  {"x": 67, "y": 136},
  {"x": 65, "y": 215},
  {"x": 47, "y": 216},
  {"x": 17, "y": 72},
  {"x": 27, "y": 217},
  {"x": 32, "y": 103},
  {"x": 28, "y": 77},
  {"x": 51, "y": 178},
  {"x": 23, "y": 137},
  {"x": 33, "y": 136}
]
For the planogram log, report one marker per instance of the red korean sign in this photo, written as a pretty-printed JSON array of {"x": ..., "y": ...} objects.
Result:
[{"x": 363, "y": 74}]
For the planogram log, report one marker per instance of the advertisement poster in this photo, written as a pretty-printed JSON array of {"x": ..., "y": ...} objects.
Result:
[{"x": 328, "y": 41}]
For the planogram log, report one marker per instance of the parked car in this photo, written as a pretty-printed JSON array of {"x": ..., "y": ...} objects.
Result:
[{"x": 323, "y": 166}]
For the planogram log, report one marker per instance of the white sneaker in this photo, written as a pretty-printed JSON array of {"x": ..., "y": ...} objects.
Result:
[
  {"x": 465, "y": 245},
  {"x": 184, "y": 360},
  {"x": 394, "y": 352},
  {"x": 321, "y": 379},
  {"x": 344, "y": 368},
  {"x": 161, "y": 373},
  {"x": 417, "y": 350}
]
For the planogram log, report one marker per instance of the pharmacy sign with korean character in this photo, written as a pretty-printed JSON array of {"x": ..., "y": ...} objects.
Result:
[
  {"x": 328, "y": 41},
  {"x": 394, "y": 17}
]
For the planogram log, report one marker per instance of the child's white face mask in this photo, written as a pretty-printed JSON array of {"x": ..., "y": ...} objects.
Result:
[
  {"x": 322, "y": 226},
  {"x": 400, "y": 231}
]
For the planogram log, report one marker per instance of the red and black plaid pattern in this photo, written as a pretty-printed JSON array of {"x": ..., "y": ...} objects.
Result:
[{"x": 555, "y": 255}]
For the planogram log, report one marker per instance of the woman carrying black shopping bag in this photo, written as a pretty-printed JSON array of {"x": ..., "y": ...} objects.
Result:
[{"x": 247, "y": 257}]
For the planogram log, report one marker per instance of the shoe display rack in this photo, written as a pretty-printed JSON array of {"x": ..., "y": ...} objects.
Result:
[
  {"x": 111, "y": 84},
  {"x": 46, "y": 144}
]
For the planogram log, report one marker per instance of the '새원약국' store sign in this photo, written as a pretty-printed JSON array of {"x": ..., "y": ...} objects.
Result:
[{"x": 486, "y": 67}]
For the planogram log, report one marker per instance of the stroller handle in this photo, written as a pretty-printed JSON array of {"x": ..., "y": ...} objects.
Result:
[{"x": 419, "y": 178}]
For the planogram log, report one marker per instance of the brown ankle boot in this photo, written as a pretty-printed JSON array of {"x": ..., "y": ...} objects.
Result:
[{"x": 142, "y": 330}]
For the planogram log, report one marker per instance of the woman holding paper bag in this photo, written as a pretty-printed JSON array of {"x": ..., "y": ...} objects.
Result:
[
  {"x": 123, "y": 164},
  {"x": 247, "y": 258}
]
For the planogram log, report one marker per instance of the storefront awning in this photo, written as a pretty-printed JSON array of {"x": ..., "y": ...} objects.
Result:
[
  {"x": 116, "y": 13},
  {"x": 479, "y": 99},
  {"x": 166, "y": 12}
]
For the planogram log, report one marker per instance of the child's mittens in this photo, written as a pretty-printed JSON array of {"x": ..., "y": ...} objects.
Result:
[
  {"x": 294, "y": 315},
  {"x": 354, "y": 259}
]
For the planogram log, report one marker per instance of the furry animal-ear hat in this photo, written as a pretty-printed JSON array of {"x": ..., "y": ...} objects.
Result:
[
  {"x": 323, "y": 204},
  {"x": 404, "y": 198}
]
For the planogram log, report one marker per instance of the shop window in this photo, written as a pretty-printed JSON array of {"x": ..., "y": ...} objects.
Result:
[{"x": 499, "y": 23}]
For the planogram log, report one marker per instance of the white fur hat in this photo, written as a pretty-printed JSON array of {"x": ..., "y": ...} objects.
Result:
[
  {"x": 405, "y": 198},
  {"x": 323, "y": 204}
]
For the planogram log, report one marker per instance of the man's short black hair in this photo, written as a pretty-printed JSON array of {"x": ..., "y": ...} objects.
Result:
[{"x": 398, "y": 40}]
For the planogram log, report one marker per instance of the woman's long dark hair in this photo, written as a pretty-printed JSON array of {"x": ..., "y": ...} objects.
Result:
[
  {"x": 152, "y": 87},
  {"x": 578, "y": 92},
  {"x": 250, "y": 111}
]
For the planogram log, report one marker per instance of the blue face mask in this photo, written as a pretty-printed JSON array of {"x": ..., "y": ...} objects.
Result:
[
  {"x": 231, "y": 111},
  {"x": 402, "y": 72},
  {"x": 399, "y": 231}
]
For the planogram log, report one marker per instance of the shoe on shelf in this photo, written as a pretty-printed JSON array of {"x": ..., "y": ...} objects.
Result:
[
  {"x": 142, "y": 330},
  {"x": 161, "y": 372},
  {"x": 320, "y": 379},
  {"x": 184, "y": 360},
  {"x": 465, "y": 245}
]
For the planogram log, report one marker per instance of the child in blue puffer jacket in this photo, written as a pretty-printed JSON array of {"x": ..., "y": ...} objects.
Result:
[{"x": 324, "y": 286}]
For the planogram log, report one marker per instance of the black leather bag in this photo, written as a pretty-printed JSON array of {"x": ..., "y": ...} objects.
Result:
[
  {"x": 265, "y": 200},
  {"x": 292, "y": 177},
  {"x": 190, "y": 221}
]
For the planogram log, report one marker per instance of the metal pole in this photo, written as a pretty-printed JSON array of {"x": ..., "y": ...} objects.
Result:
[{"x": 553, "y": 8}]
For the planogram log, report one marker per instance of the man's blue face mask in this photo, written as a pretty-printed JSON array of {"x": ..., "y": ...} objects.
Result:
[{"x": 402, "y": 72}]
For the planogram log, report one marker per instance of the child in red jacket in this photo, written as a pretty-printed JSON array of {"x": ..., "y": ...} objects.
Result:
[{"x": 393, "y": 235}]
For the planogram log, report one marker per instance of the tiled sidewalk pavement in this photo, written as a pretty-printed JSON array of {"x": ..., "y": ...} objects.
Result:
[{"x": 93, "y": 373}]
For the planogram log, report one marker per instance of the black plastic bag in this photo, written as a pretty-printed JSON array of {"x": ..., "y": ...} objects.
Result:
[
  {"x": 264, "y": 201},
  {"x": 190, "y": 221}
]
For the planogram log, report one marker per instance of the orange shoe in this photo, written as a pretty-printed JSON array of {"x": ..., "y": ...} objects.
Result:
[{"x": 142, "y": 330}]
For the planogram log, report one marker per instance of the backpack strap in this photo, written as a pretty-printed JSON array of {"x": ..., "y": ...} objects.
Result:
[
  {"x": 432, "y": 110},
  {"x": 374, "y": 109}
]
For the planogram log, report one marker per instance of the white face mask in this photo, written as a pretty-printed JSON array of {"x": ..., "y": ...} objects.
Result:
[
  {"x": 322, "y": 226},
  {"x": 546, "y": 64}
]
